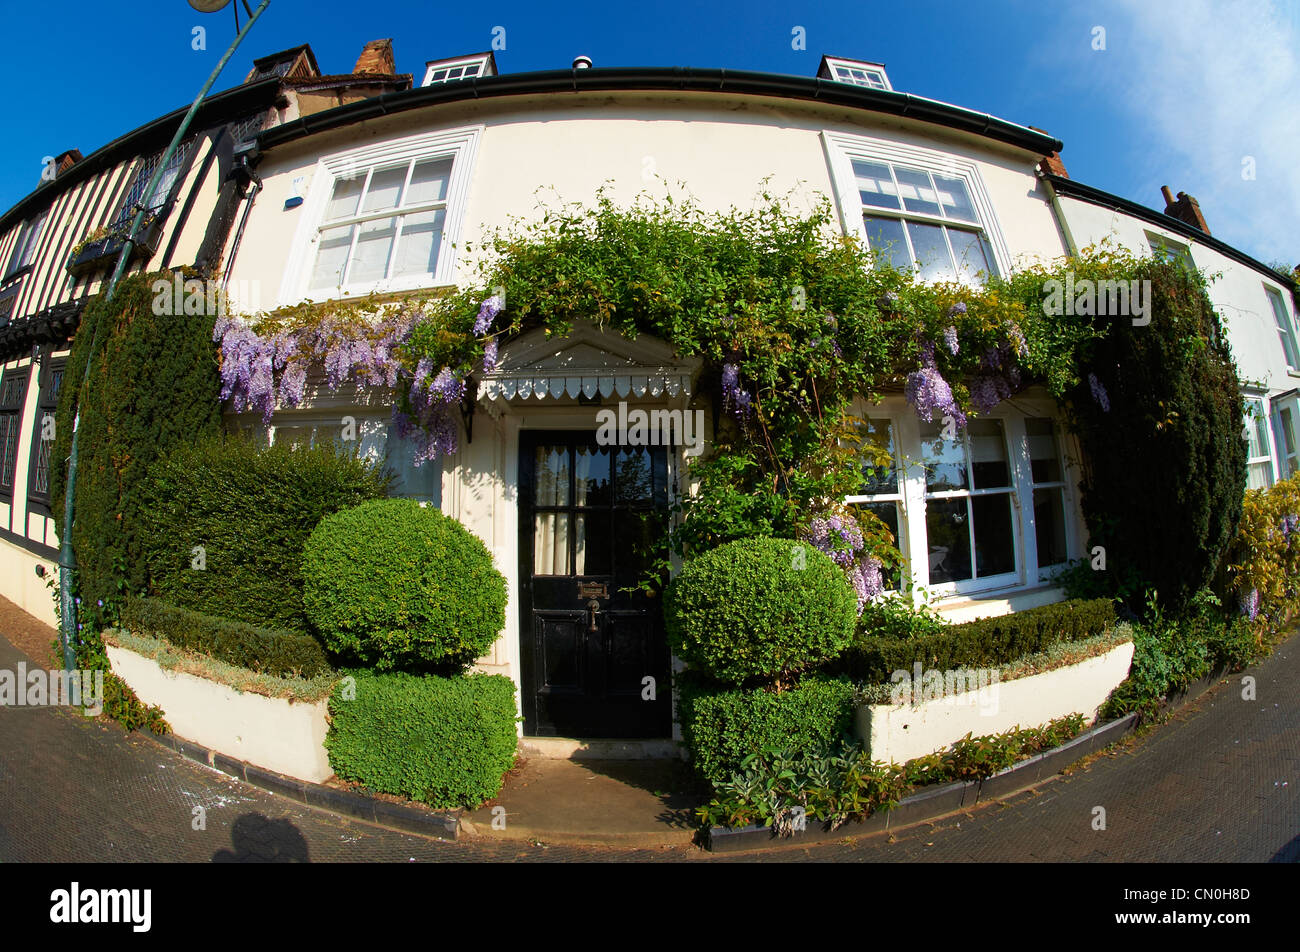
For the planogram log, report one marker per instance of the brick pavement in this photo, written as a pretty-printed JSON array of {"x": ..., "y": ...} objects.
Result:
[{"x": 1221, "y": 782}]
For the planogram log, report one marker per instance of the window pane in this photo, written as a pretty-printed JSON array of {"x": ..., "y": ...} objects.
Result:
[
  {"x": 1256, "y": 432},
  {"x": 875, "y": 186},
  {"x": 931, "y": 252},
  {"x": 885, "y": 238},
  {"x": 945, "y": 460},
  {"x": 429, "y": 182},
  {"x": 972, "y": 261},
  {"x": 551, "y": 543},
  {"x": 1259, "y": 475},
  {"x": 551, "y": 475},
  {"x": 878, "y": 478},
  {"x": 417, "y": 252},
  {"x": 988, "y": 454},
  {"x": 994, "y": 552},
  {"x": 634, "y": 476},
  {"x": 591, "y": 472},
  {"x": 1045, "y": 460},
  {"x": 331, "y": 256},
  {"x": 344, "y": 198},
  {"x": 948, "y": 538},
  {"x": 374, "y": 245},
  {"x": 1049, "y": 526},
  {"x": 591, "y": 543},
  {"x": 1288, "y": 431},
  {"x": 916, "y": 191},
  {"x": 888, "y": 514},
  {"x": 385, "y": 188},
  {"x": 954, "y": 198}
]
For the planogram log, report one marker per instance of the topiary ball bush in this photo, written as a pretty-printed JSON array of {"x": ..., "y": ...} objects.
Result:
[
  {"x": 759, "y": 609},
  {"x": 394, "y": 585}
]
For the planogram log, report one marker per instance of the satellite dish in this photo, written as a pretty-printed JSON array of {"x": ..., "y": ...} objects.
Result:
[{"x": 208, "y": 6}]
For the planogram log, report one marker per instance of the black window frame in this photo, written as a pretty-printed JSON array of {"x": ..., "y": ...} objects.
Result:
[
  {"x": 46, "y": 402},
  {"x": 21, "y": 258},
  {"x": 11, "y": 409}
]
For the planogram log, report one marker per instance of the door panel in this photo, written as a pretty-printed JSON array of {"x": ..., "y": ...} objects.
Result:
[{"x": 586, "y": 646}]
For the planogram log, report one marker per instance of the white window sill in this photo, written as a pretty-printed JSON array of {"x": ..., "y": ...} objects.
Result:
[{"x": 957, "y": 609}]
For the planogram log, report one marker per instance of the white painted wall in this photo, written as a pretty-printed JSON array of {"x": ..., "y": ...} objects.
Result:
[
  {"x": 901, "y": 732},
  {"x": 272, "y": 733}
]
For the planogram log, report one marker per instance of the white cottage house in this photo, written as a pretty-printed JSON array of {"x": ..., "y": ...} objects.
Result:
[{"x": 386, "y": 193}]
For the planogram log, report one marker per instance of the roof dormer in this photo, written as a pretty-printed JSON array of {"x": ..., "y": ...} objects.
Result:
[
  {"x": 854, "y": 72},
  {"x": 437, "y": 72}
]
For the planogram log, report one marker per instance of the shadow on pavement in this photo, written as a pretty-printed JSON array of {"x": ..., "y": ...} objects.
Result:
[{"x": 259, "y": 840}]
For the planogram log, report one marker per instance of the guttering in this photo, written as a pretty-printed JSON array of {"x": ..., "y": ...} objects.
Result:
[
  {"x": 677, "y": 79},
  {"x": 1071, "y": 246},
  {"x": 1095, "y": 196},
  {"x": 221, "y": 107}
]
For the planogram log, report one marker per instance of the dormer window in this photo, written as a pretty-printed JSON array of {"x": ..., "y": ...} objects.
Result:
[
  {"x": 437, "y": 72},
  {"x": 855, "y": 72}
]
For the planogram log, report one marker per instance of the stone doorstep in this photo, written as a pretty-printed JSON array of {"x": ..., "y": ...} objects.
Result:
[
  {"x": 408, "y": 819},
  {"x": 568, "y": 748}
]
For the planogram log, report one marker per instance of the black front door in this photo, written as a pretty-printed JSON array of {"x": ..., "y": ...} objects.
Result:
[{"x": 587, "y": 516}]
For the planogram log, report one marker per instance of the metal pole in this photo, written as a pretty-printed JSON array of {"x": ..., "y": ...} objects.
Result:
[{"x": 67, "y": 559}]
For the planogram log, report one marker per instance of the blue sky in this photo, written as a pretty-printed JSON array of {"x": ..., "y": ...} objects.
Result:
[{"x": 1182, "y": 95}]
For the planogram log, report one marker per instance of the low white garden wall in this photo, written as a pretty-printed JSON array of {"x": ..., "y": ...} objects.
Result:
[
  {"x": 900, "y": 732},
  {"x": 287, "y": 737}
]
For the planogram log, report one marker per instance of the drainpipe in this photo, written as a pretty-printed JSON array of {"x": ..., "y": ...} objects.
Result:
[
  {"x": 67, "y": 559},
  {"x": 1071, "y": 248}
]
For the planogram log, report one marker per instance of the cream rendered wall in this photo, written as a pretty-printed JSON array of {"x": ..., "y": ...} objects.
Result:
[
  {"x": 1238, "y": 295},
  {"x": 558, "y": 149}
]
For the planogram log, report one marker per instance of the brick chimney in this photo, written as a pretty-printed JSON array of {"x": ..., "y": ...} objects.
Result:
[
  {"x": 1051, "y": 163},
  {"x": 66, "y": 160},
  {"x": 376, "y": 57},
  {"x": 1185, "y": 209}
]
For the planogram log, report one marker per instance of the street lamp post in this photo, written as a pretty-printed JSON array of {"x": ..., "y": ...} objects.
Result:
[{"x": 67, "y": 558}]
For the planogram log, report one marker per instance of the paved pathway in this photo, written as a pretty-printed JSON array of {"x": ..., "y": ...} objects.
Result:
[{"x": 1219, "y": 783}]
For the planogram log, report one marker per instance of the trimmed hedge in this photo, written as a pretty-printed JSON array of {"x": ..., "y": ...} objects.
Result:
[
  {"x": 153, "y": 386},
  {"x": 759, "y": 609},
  {"x": 279, "y": 653},
  {"x": 723, "y": 727},
  {"x": 985, "y": 642},
  {"x": 447, "y": 742},
  {"x": 394, "y": 584},
  {"x": 251, "y": 509}
]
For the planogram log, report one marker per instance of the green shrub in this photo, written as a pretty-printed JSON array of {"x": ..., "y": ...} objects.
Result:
[
  {"x": 275, "y": 652},
  {"x": 897, "y": 618},
  {"x": 1172, "y": 389},
  {"x": 153, "y": 387},
  {"x": 837, "y": 782},
  {"x": 250, "y": 509},
  {"x": 447, "y": 742},
  {"x": 723, "y": 726},
  {"x": 393, "y": 584},
  {"x": 1172, "y": 651},
  {"x": 759, "y": 609},
  {"x": 986, "y": 642}
]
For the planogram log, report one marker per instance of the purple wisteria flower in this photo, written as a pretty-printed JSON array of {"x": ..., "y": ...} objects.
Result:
[
  {"x": 987, "y": 391},
  {"x": 490, "y": 355},
  {"x": 1250, "y": 604},
  {"x": 1017, "y": 337},
  {"x": 1290, "y": 526},
  {"x": 928, "y": 392},
  {"x": 958, "y": 308},
  {"x": 950, "y": 339},
  {"x": 734, "y": 396},
  {"x": 446, "y": 387},
  {"x": 1099, "y": 393},
  {"x": 487, "y": 313},
  {"x": 841, "y": 539},
  {"x": 927, "y": 354}
]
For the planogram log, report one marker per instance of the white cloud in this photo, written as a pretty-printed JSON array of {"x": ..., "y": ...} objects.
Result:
[{"x": 1215, "y": 83}]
